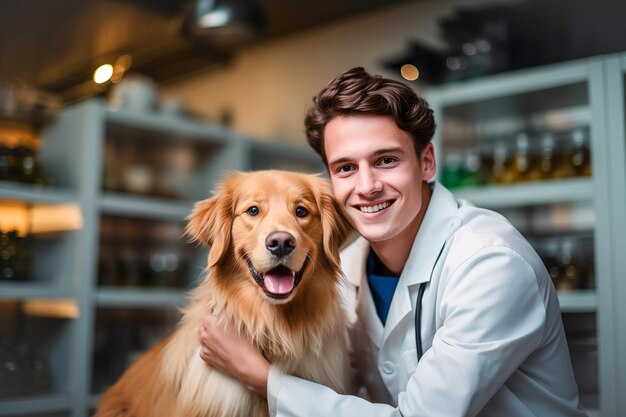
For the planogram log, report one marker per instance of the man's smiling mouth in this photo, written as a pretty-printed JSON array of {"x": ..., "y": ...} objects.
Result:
[{"x": 376, "y": 207}]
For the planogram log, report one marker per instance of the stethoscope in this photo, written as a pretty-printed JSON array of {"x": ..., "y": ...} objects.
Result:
[
  {"x": 418, "y": 320},
  {"x": 418, "y": 308}
]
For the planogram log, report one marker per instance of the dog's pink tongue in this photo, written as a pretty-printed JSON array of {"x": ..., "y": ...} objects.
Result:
[{"x": 279, "y": 281}]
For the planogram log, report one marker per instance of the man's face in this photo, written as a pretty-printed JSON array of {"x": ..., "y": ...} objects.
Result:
[{"x": 376, "y": 175}]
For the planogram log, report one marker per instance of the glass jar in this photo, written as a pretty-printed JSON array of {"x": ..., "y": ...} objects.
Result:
[
  {"x": 570, "y": 266},
  {"x": 453, "y": 169},
  {"x": 26, "y": 166},
  {"x": 544, "y": 169},
  {"x": 16, "y": 257},
  {"x": 501, "y": 169},
  {"x": 6, "y": 159},
  {"x": 521, "y": 159},
  {"x": 580, "y": 157}
]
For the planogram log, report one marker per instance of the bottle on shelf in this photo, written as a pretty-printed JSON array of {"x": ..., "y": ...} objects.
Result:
[
  {"x": 550, "y": 255},
  {"x": 165, "y": 260},
  {"x": 21, "y": 164},
  {"x": 28, "y": 168},
  {"x": 174, "y": 167},
  {"x": 576, "y": 157},
  {"x": 16, "y": 256},
  {"x": 127, "y": 254},
  {"x": 113, "y": 167},
  {"x": 485, "y": 153},
  {"x": 6, "y": 160},
  {"x": 580, "y": 157},
  {"x": 543, "y": 169},
  {"x": 453, "y": 169},
  {"x": 501, "y": 169},
  {"x": 471, "y": 168},
  {"x": 523, "y": 161},
  {"x": 139, "y": 175},
  {"x": 570, "y": 277},
  {"x": 107, "y": 263},
  {"x": 590, "y": 276}
]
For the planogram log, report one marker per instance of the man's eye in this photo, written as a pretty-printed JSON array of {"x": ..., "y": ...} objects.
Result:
[
  {"x": 253, "y": 211},
  {"x": 345, "y": 168},
  {"x": 387, "y": 160},
  {"x": 301, "y": 211}
]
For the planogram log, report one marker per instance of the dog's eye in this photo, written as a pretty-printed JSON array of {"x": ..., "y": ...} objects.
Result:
[
  {"x": 253, "y": 211},
  {"x": 301, "y": 211}
]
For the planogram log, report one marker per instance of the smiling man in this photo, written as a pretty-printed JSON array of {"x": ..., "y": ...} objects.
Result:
[
  {"x": 381, "y": 185},
  {"x": 452, "y": 313}
]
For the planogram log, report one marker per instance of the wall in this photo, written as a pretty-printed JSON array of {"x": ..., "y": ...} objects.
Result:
[{"x": 268, "y": 87}]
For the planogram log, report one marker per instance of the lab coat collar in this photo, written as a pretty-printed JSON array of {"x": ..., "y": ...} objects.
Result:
[
  {"x": 435, "y": 228},
  {"x": 431, "y": 237},
  {"x": 354, "y": 261}
]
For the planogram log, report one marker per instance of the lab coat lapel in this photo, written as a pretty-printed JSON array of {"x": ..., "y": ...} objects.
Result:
[
  {"x": 435, "y": 228},
  {"x": 367, "y": 313},
  {"x": 353, "y": 264}
]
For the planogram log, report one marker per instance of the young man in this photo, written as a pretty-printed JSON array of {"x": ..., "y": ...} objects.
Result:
[{"x": 489, "y": 339}]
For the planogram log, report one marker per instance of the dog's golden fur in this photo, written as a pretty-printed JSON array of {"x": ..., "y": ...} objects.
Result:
[{"x": 301, "y": 332}]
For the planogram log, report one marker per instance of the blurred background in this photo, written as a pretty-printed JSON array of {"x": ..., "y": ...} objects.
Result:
[{"x": 117, "y": 115}]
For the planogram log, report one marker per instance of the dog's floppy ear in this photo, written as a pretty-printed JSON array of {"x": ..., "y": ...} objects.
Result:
[
  {"x": 335, "y": 226},
  {"x": 210, "y": 223}
]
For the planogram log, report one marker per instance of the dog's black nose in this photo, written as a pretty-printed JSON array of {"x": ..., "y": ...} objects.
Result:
[{"x": 280, "y": 243}]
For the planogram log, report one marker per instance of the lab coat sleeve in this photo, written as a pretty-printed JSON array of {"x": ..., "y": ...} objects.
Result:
[
  {"x": 493, "y": 318},
  {"x": 289, "y": 396}
]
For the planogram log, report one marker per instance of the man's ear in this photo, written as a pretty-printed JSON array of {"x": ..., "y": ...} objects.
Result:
[
  {"x": 428, "y": 162},
  {"x": 210, "y": 223}
]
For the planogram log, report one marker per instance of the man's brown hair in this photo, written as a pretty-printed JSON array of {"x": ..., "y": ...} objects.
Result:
[{"x": 357, "y": 92}]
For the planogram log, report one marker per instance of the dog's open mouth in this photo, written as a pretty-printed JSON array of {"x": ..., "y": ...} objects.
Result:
[{"x": 278, "y": 282}]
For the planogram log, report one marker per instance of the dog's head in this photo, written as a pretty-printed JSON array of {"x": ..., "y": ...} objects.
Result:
[{"x": 277, "y": 226}]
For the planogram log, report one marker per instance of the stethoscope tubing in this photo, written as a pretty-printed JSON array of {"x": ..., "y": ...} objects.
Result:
[{"x": 418, "y": 309}]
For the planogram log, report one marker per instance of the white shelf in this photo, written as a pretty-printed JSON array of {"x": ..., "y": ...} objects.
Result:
[
  {"x": 528, "y": 194},
  {"x": 578, "y": 301},
  {"x": 512, "y": 83},
  {"x": 141, "y": 298},
  {"x": 163, "y": 123},
  {"x": 29, "y": 193},
  {"x": 31, "y": 289},
  {"x": 144, "y": 207},
  {"x": 35, "y": 404}
]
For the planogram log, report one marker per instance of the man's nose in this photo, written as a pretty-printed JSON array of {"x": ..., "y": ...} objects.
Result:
[{"x": 368, "y": 183}]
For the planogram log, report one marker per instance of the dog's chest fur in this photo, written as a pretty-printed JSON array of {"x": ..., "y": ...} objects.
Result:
[{"x": 320, "y": 356}]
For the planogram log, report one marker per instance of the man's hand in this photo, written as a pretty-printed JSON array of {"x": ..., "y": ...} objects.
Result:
[{"x": 231, "y": 354}]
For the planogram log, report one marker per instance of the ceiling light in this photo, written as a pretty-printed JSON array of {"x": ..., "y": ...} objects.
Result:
[
  {"x": 215, "y": 18},
  {"x": 103, "y": 73},
  {"x": 224, "y": 22},
  {"x": 409, "y": 72}
]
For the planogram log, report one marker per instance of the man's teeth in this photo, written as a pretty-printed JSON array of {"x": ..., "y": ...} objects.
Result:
[{"x": 374, "y": 209}]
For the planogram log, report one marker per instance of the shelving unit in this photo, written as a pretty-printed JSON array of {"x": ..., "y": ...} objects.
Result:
[
  {"x": 79, "y": 150},
  {"x": 589, "y": 95}
]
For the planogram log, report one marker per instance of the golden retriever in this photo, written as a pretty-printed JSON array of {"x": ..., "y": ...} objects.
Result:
[{"x": 272, "y": 274}]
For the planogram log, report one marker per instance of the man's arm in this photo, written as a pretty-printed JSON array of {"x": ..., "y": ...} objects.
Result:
[
  {"x": 493, "y": 319},
  {"x": 232, "y": 355}
]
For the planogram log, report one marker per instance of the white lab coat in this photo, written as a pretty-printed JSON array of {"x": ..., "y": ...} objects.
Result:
[{"x": 491, "y": 333}]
